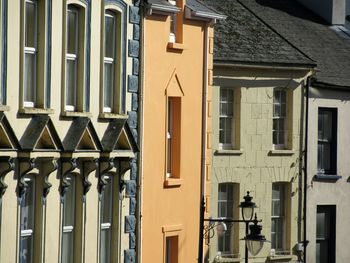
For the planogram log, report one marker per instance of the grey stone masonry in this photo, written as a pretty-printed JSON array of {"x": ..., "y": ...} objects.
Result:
[{"x": 130, "y": 254}]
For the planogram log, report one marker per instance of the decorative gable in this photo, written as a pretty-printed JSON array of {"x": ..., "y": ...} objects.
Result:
[
  {"x": 118, "y": 137},
  {"x": 81, "y": 136},
  {"x": 8, "y": 139},
  {"x": 123, "y": 142},
  {"x": 40, "y": 135},
  {"x": 174, "y": 87}
]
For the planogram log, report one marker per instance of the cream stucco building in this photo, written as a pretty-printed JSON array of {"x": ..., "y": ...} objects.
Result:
[
  {"x": 258, "y": 135},
  {"x": 69, "y": 83}
]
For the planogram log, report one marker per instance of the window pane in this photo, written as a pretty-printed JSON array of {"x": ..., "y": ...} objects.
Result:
[
  {"x": 67, "y": 247},
  {"x": 105, "y": 245},
  {"x": 29, "y": 77},
  {"x": 28, "y": 206},
  {"x": 277, "y": 110},
  {"x": 69, "y": 203},
  {"x": 108, "y": 85},
  {"x": 106, "y": 202},
  {"x": 30, "y": 25},
  {"x": 72, "y": 30},
  {"x": 71, "y": 82},
  {"x": 225, "y": 209},
  {"x": 321, "y": 225},
  {"x": 26, "y": 249},
  {"x": 278, "y": 211},
  {"x": 109, "y": 35}
]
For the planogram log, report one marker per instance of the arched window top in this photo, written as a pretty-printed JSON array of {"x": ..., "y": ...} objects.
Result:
[
  {"x": 113, "y": 4},
  {"x": 78, "y": 3}
]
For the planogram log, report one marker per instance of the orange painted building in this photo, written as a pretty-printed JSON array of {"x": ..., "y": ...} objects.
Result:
[{"x": 176, "y": 97}]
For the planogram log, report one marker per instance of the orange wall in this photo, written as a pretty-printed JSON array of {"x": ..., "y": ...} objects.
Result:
[{"x": 171, "y": 207}]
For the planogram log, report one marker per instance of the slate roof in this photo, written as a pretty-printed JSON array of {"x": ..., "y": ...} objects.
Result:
[
  {"x": 201, "y": 7},
  {"x": 244, "y": 38},
  {"x": 309, "y": 33}
]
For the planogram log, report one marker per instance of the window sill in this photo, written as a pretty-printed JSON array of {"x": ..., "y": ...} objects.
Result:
[
  {"x": 75, "y": 114},
  {"x": 36, "y": 111},
  {"x": 327, "y": 177},
  {"x": 4, "y": 108},
  {"x": 280, "y": 258},
  {"x": 173, "y": 182},
  {"x": 176, "y": 46},
  {"x": 105, "y": 115},
  {"x": 228, "y": 152},
  {"x": 281, "y": 152},
  {"x": 226, "y": 260}
]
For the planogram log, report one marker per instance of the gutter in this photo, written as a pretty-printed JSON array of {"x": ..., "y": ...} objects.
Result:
[
  {"x": 324, "y": 85},
  {"x": 305, "y": 241},
  {"x": 204, "y": 146},
  {"x": 161, "y": 9},
  {"x": 279, "y": 66},
  {"x": 191, "y": 13}
]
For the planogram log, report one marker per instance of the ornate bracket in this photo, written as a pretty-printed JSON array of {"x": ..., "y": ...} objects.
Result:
[
  {"x": 88, "y": 166},
  {"x": 124, "y": 166},
  {"x": 9, "y": 164},
  {"x": 105, "y": 165},
  {"x": 22, "y": 185},
  {"x": 50, "y": 166},
  {"x": 64, "y": 184}
]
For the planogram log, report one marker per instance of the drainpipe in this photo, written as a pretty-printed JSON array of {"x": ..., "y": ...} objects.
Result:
[
  {"x": 305, "y": 241},
  {"x": 204, "y": 144},
  {"x": 141, "y": 126}
]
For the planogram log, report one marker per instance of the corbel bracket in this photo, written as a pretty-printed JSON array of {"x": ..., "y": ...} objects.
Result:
[
  {"x": 87, "y": 167},
  {"x": 105, "y": 165},
  {"x": 70, "y": 164},
  {"x": 124, "y": 166},
  {"x": 29, "y": 164},
  {"x": 7, "y": 164},
  {"x": 51, "y": 165}
]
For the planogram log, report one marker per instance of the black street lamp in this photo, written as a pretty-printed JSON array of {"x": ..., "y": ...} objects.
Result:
[{"x": 254, "y": 240}]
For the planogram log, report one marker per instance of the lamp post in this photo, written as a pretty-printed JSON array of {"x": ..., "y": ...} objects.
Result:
[{"x": 254, "y": 240}]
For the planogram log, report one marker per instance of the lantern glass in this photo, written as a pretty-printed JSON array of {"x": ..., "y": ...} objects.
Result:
[
  {"x": 254, "y": 246},
  {"x": 247, "y": 213}
]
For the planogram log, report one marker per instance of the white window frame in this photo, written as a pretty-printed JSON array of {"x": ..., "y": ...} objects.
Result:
[
  {"x": 325, "y": 143},
  {"x": 284, "y": 129},
  {"x": 228, "y": 235},
  {"x": 173, "y": 18},
  {"x": 282, "y": 216},
  {"x": 223, "y": 145},
  {"x": 31, "y": 51},
  {"x": 30, "y": 231},
  {"x": 72, "y": 57},
  {"x": 111, "y": 61}
]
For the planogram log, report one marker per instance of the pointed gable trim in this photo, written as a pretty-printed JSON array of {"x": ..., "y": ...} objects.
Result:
[
  {"x": 8, "y": 139},
  {"x": 41, "y": 135},
  {"x": 81, "y": 137},
  {"x": 174, "y": 87},
  {"x": 118, "y": 137}
]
